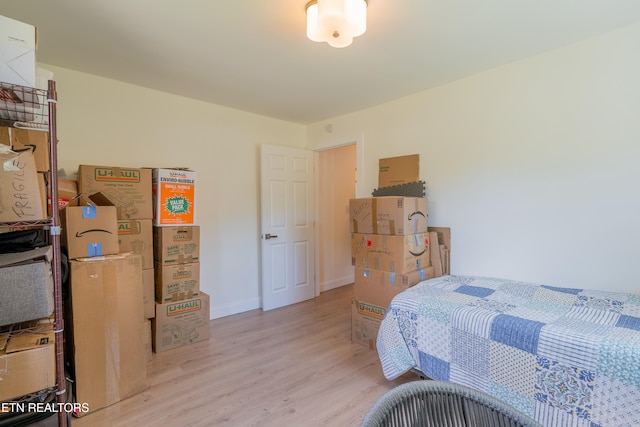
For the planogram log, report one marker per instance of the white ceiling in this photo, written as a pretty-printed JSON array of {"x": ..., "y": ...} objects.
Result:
[{"x": 253, "y": 55}]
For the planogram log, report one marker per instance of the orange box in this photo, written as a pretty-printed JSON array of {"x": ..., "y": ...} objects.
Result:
[{"x": 174, "y": 194}]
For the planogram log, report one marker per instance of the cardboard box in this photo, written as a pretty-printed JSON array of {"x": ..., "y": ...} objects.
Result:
[
  {"x": 20, "y": 187},
  {"x": 388, "y": 215},
  {"x": 181, "y": 323},
  {"x": 148, "y": 349},
  {"x": 67, "y": 193},
  {"x": 89, "y": 231},
  {"x": 136, "y": 235},
  {"x": 365, "y": 322},
  {"x": 441, "y": 236},
  {"x": 148, "y": 293},
  {"x": 128, "y": 189},
  {"x": 177, "y": 282},
  {"x": 107, "y": 329},
  {"x": 398, "y": 254},
  {"x": 37, "y": 141},
  {"x": 176, "y": 245},
  {"x": 174, "y": 196},
  {"x": 5, "y": 136},
  {"x": 27, "y": 361},
  {"x": 398, "y": 170},
  {"x": 17, "y": 52},
  {"x": 26, "y": 285},
  {"x": 379, "y": 287}
]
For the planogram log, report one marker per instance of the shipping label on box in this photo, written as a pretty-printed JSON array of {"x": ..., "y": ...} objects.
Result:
[
  {"x": 128, "y": 189},
  {"x": 176, "y": 245},
  {"x": 388, "y": 215},
  {"x": 90, "y": 231},
  {"x": 174, "y": 193},
  {"x": 399, "y": 254},
  {"x": 136, "y": 235},
  {"x": 181, "y": 323},
  {"x": 20, "y": 187},
  {"x": 177, "y": 282},
  {"x": 398, "y": 170},
  {"x": 379, "y": 287}
]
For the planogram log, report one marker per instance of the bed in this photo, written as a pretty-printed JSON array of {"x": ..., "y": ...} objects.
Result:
[{"x": 565, "y": 357}]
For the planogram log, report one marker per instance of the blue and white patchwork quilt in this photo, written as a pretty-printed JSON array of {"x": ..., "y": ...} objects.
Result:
[{"x": 565, "y": 357}]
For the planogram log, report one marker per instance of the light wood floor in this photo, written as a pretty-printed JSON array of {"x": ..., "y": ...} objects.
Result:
[{"x": 294, "y": 366}]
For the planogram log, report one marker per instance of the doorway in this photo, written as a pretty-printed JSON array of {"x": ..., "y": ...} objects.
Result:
[{"x": 337, "y": 178}]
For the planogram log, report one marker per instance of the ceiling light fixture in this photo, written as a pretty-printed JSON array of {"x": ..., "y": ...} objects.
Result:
[{"x": 336, "y": 22}]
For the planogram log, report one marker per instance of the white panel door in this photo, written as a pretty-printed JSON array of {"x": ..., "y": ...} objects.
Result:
[{"x": 288, "y": 219}]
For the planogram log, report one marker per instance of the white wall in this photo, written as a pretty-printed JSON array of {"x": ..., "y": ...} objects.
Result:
[
  {"x": 109, "y": 123},
  {"x": 534, "y": 165}
]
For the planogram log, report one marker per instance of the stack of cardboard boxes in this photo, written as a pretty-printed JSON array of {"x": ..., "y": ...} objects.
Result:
[
  {"x": 390, "y": 250},
  {"x": 27, "y": 352},
  {"x": 105, "y": 313},
  {"x": 182, "y": 309}
]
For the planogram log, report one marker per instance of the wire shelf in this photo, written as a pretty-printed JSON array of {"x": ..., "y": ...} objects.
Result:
[{"x": 23, "y": 107}]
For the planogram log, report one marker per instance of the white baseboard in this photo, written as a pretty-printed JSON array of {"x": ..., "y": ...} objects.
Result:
[
  {"x": 332, "y": 284},
  {"x": 217, "y": 312}
]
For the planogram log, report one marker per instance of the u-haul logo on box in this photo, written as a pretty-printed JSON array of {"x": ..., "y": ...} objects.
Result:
[
  {"x": 183, "y": 307},
  {"x": 371, "y": 310},
  {"x": 109, "y": 175}
]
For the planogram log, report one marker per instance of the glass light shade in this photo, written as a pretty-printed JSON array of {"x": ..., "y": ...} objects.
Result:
[{"x": 336, "y": 22}]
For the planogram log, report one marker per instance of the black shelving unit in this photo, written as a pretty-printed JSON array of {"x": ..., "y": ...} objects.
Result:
[{"x": 31, "y": 108}]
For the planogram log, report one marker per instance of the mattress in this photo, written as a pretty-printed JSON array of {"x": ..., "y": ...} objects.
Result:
[{"x": 566, "y": 357}]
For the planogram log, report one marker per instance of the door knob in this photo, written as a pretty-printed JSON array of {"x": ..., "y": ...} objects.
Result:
[{"x": 270, "y": 236}]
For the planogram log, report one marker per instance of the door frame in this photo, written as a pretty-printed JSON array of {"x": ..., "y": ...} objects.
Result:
[{"x": 358, "y": 140}]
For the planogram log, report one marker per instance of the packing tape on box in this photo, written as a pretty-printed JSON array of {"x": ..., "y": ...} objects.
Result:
[
  {"x": 134, "y": 226},
  {"x": 93, "y": 270},
  {"x": 405, "y": 280},
  {"x": 185, "y": 259},
  {"x": 94, "y": 249},
  {"x": 415, "y": 220},
  {"x": 392, "y": 278},
  {"x": 374, "y": 215},
  {"x": 89, "y": 212}
]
